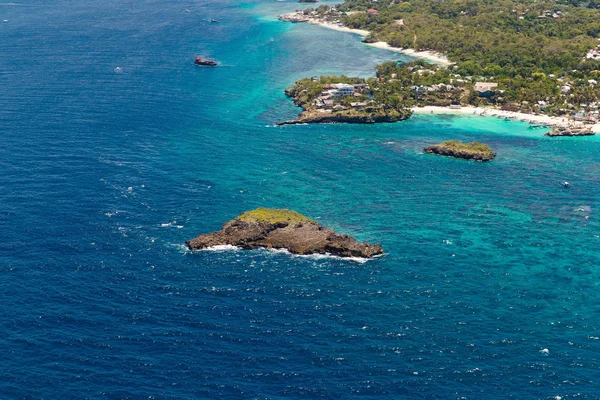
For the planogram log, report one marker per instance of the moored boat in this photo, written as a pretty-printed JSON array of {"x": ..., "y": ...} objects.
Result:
[{"x": 205, "y": 61}]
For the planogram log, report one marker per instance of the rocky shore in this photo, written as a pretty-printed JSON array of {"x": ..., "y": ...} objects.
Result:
[
  {"x": 467, "y": 151},
  {"x": 338, "y": 110},
  {"x": 284, "y": 229},
  {"x": 564, "y": 131},
  {"x": 339, "y": 117}
]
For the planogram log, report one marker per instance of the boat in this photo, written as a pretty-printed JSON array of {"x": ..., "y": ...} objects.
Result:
[
  {"x": 205, "y": 61},
  {"x": 565, "y": 184},
  {"x": 214, "y": 20}
]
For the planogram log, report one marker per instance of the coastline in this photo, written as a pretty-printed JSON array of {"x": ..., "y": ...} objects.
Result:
[
  {"x": 442, "y": 60},
  {"x": 493, "y": 112},
  {"x": 432, "y": 56},
  {"x": 335, "y": 27}
]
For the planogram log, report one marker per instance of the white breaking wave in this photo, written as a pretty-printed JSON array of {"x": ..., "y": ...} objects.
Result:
[
  {"x": 221, "y": 247},
  {"x": 228, "y": 247},
  {"x": 171, "y": 224},
  {"x": 360, "y": 260}
]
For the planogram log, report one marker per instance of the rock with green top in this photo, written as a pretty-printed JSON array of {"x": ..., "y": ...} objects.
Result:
[
  {"x": 274, "y": 216},
  {"x": 284, "y": 229},
  {"x": 468, "y": 151}
]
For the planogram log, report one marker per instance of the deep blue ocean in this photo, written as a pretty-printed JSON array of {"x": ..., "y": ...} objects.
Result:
[{"x": 489, "y": 288}]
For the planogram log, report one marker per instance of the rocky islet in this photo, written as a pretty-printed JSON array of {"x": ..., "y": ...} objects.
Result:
[
  {"x": 468, "y": 151},
  {"x": 284, "y": 229}
]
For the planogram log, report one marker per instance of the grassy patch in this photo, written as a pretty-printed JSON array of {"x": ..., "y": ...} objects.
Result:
[
  {"x": 473, "y": 147},
  {"x": 273, "y": 216}
]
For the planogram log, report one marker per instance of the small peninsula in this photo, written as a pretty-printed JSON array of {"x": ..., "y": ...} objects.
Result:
[
  {"x": 342, "y": 100},
  {"x": 467, "y": 151},
  {"x": 284, "y": 229}
]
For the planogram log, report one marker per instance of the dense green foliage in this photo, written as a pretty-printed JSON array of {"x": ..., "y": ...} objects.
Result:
[
  {"x": 486, "y": 37},
  {"x": 532, "y": 49},
  {"x": 469, "y": 151},
  {"x": 391, "y": 89},
  {"x": 473, "y": 147}
]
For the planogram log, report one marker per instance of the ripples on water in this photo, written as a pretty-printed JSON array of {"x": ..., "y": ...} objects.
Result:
[{"x": 105, "y": 175}]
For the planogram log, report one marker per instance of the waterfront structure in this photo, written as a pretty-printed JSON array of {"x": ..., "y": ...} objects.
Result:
[{"x": 485, "y": 89}]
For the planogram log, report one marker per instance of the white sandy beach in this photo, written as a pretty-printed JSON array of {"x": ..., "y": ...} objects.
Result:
[
  {"x": 493, "y": 112},
  {"x": 336, "y": 27},
  {"x": 434, "y": 57}
]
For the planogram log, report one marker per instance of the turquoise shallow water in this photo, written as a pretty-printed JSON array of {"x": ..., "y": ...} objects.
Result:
[{"x": 104, "y": 176}]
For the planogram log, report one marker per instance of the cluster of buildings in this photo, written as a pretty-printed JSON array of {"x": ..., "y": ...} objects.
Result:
[
  {"x": 338, "y": 91},
  {"x": 546, "y": 14},
  {"x": 593, "y": 54},
  {"x": 440, "y": 87},
  {"x": 587, "y": 113},
  {"x": 483, "y": 89},
  {"x": 551, "y": 14}
]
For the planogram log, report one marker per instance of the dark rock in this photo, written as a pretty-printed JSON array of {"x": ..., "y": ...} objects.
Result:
[
  {"x": 284, "y": 229},
  {"x": 311, "y": 117},
  {"x": 561, "y": 131},
  {"x": 204, "y": 61}
]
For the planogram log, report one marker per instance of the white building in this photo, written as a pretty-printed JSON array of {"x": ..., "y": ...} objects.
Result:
[{"x": 343, "y": 89}]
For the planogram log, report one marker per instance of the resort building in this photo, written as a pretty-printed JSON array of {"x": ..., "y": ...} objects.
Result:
[
  {"x": 359, "y": 105},
  {"x": 485, "y": 89},
  {"x": 342, "y": 90}
]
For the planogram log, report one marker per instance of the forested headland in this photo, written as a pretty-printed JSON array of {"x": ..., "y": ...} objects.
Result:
[{"x": 541, "y": 54}]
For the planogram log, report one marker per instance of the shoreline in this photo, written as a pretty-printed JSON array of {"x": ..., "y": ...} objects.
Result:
[
  {"x": 432, "y": 56},
  {"x": 442, "y": 60},
  {"x": 512, "y": 115}
]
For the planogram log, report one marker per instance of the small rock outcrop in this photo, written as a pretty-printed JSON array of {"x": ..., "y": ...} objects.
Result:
[
  {"x": 284, "y": 229},
  {"x": 562, "y": 131},
  {"x": 468, "y": 151},
  {"x": 294, "y": 17},
  {"x": 205, "y": 61}
]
